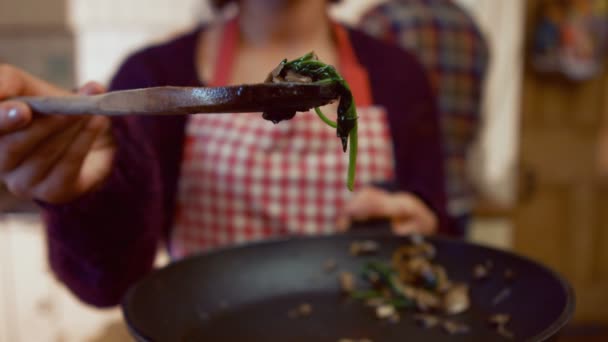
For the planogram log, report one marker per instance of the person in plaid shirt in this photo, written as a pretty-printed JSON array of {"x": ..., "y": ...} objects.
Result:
[{"x": 449, "y": 43}]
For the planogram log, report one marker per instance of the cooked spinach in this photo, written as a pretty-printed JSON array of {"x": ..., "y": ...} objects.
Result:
[{"x": 310, "y": 67}]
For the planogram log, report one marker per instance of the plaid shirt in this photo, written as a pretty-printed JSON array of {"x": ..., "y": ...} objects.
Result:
[{"x": 448, "y": 42}]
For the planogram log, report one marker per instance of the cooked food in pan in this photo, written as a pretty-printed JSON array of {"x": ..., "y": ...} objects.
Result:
[{"x": 413, "y": 282}]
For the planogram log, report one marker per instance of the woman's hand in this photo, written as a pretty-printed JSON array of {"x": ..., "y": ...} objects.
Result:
[
  {"x": 407, "y": 213},
  {"x": 51, "y": 158}
]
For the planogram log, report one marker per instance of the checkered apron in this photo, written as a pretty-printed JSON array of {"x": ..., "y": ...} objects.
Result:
[{"x": 244, "y": 178}]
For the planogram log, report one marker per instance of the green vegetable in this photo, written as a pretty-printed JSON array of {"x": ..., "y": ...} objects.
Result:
[
  {"x": 389, "y": 278},
  {"x": 366, "y": 294},
  {"x": 383, "y": 270},
  {"x": 402, "y": 303},
  {"x": 346, "y": 126}
]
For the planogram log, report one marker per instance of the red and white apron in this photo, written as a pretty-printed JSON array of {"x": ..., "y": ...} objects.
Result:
[{"x": 244, "y": 178}]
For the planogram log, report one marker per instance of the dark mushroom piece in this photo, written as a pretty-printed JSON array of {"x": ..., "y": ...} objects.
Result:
[
  {"x": 303, "y": 310},
  {"x": 422, "y": 249},
  {"x": 292, "y": 76},
  {"x": 386, "y": 293},
  {"x": 373, "y": 278},
  {"x": 403, "y": 289},
  {"x": 385, "y": 311},
  {"x": 480, "y": 272},
  {"x": 420, "y": 269},
  {"x": 500, "y": 321},
  {"x": 330, "y": 265},
  {"x": 426, "y": 300},
  {"x": 504, "y": 332},
  {"x": 509, "y": 275},
  {"x": 426, "y": 320},
  {"x": 501, "y": 296},
  {"x": 365, "y": 247},
  {"x": 275, "y": 75},
  {"x": 428, "y": 278},
  {"x": 443, "y": 282},
  {"x": 456, "y": 299},
  {"x": 426, "y": 250},
  {"x": 455, "y": 328},
  {"x": 347, "y": 282},
  {"x": 375, "y": 302},
  {"x": 395, "y": 318}
]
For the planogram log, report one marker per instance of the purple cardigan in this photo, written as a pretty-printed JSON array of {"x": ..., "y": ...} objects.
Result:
[{"x": 102, "y": 243}]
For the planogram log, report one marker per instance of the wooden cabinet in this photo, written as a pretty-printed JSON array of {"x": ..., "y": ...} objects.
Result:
[{"x": 562, "y": 214}]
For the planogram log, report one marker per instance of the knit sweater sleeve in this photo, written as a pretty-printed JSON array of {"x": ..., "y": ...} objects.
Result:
[{"x": 103, "y": 242}]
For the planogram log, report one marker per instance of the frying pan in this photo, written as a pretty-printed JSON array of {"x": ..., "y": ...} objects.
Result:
[{"x": 244, "y": 293}]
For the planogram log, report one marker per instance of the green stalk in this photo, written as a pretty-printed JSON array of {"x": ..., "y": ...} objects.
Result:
[
  {"x": 352, "y": 158},
  {"x": 352, "y": 152},
  {"x": 366, "y": 294},
  {"x": 325, "y": 118},
  {"x": 322, "y": 73}
]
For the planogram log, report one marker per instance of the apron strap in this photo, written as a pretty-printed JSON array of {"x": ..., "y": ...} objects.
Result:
[
  {"x": 353, "y": 72},
  {"x": 227, "y": 53}
]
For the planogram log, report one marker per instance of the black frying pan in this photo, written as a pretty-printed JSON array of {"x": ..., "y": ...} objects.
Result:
[{"x": 244, "y": 294}]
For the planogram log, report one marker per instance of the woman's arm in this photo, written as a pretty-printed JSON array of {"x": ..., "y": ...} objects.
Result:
[{"x": 103, "y": 242}]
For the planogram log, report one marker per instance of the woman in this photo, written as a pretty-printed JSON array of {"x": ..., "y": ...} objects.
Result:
[{"x": 110, "y": 190}]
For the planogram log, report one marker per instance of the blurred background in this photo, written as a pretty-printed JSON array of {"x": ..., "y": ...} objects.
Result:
[{"x": 538, "y": 165}]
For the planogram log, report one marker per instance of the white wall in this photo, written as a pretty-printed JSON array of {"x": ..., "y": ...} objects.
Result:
[
  {"x": 495, "y": 161},
  {"x": 106, "y": 31}
]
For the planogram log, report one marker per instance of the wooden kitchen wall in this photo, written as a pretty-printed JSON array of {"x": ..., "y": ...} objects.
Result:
[{"x": 562, "y": 214}]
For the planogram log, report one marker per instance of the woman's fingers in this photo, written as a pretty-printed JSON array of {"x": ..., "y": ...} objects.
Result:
[
  {"x": 38, "y": 163},
  {"x": 415, "y": 216},
  {"x": 369, "y": 203},
  {"x": 16, "y": 82},
  {"x": 408, "y": 214},
  {"x": 70, "y": 175},
  {"x": 48, "y": 157},
  {"x": 405, "y": 227},
  {"x": 411, "y": 226},
  {"x": 17, "y": 146},
  {"x": 92, "y": 88},
  {"x": 13, "y": 117}
]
